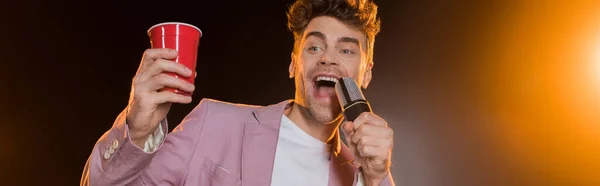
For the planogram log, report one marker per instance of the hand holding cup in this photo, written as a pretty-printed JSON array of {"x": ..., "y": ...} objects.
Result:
[{"x": 165, "y": 76}]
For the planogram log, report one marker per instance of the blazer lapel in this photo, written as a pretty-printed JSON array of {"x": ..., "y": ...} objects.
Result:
[
  {"x": 342, "y": 171},
  {"x": 260, "y": 142}
]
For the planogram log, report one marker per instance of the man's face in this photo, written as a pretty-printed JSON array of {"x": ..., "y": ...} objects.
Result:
[{"x": 328, "y": 50}]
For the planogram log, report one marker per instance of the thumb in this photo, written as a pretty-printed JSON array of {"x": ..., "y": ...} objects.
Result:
[{"x": 348, "y": 129}]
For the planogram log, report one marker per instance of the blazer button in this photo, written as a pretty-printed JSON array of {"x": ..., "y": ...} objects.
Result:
[
  {"x": 111, "y": 150},
  {"x": 106, "y": 154},
  {"x": 115, "y": 144}
]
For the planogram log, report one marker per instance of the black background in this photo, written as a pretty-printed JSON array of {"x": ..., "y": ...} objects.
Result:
[{"x": 67, "y": 65}]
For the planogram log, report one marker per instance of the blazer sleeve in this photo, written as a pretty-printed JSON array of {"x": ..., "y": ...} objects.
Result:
[
  {"x": 388, "y": 181},
  {"x": 115, "y": 160}
]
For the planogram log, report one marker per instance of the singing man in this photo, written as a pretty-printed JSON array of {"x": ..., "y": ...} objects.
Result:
[{"x": 293, "y": 142}]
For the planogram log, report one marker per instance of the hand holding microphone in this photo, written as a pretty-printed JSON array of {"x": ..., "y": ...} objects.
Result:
[{"x": 368, "y": 135}]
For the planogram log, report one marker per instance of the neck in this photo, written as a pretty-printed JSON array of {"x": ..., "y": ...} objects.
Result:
[{"x": 324, "y": 132}]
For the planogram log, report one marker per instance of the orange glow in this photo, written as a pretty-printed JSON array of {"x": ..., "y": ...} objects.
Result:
[
  {"x": 596, "y": 64},
  {"x": 544, "y": 98}
]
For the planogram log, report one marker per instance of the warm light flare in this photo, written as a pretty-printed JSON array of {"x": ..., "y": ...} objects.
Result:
[
  {"x": 597, "y": 63},
  {"x": 544, "y": 90},
  {"x": 593, "y": 54}
]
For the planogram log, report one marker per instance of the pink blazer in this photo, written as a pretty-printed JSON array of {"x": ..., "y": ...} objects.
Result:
[{"x": 216, "y": 144}]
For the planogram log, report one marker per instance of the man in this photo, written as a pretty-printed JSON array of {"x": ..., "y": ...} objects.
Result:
[{"x": 294, "y": 142}]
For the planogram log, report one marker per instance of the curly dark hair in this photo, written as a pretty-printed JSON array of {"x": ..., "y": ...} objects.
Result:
[{"x": 357, "y": 14}]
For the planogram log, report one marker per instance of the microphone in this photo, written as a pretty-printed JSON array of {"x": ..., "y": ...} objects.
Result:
[{"x": 351, "y": 99}]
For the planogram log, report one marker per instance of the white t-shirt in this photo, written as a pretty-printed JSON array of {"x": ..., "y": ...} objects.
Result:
[{"x": 300, "y": 159}]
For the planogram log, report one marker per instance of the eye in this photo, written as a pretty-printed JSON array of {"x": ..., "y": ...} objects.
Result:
[
  {"x": 346, "y": 52},
  {"x": 314, "y": 49}
]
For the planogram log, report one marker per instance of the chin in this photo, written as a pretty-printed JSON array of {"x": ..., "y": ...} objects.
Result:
[{"x": 324, "y": 113}]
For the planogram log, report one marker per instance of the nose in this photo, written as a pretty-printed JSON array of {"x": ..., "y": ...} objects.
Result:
[{"x": 327, "y": 59}]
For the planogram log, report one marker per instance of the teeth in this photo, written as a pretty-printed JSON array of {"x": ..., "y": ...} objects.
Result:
[{"x": 325, "y": 78}]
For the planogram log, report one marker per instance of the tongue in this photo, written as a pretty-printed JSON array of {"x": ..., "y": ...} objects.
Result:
[{"x": 325, "y": 91}]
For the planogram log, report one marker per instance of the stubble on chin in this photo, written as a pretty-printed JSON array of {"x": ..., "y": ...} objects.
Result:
[{"x": 322, "y": 113}]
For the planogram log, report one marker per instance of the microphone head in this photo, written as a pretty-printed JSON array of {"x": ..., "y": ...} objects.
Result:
[
  {"x": 351, "y": 99},
  {"x": 348, "y": 92}
]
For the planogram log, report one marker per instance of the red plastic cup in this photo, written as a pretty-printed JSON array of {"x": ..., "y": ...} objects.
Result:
[{"x": 183, "y": 37}]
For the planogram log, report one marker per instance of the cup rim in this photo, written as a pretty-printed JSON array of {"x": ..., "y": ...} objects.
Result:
[{"x": 179, "y": 23}]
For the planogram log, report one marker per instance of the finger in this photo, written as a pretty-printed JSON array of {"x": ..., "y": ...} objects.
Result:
[
  {"x": 164, "y": 80},
  {"x": 372, "y": 130},
  {"x": 347, "y": 127},
  {"x": 374, "y": 152},
  {"x": 150, "y": 55},
  {"x": 384, "y": 143},
  {"x": 348, "y": 132},
  {"x": 168, "y": 96},
  {"x": 369, "y": 118},
  {"x": 159, "y": 53},
  {"x": 161, "y": 65}
]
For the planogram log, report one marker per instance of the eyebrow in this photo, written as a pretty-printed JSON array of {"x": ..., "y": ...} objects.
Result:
[
  {"x": 341, "y": 40},
  {"x": 316, "y": 34},
  {"x": 349, "y": 40}
]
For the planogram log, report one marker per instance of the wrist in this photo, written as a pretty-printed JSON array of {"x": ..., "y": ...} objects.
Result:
[
  {"x": 139, "y": 141},
  {"x": 374, "y": 180},
  {"x": 138, "y": 138},
  {"x": 373, "y": 183}
]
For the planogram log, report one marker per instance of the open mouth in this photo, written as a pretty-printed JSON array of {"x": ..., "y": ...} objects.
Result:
[
  {"x": 325, "y": 87},
  {"x": 325, "y": 81}
]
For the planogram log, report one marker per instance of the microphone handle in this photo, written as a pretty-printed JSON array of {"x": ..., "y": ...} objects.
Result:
[{"x": 355, "y": 108}]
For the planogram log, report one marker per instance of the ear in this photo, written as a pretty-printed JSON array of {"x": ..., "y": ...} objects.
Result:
[
  {"x": 368, "y": 75},
  {"x": 292, "y": 67}
]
